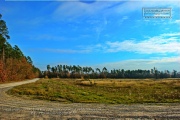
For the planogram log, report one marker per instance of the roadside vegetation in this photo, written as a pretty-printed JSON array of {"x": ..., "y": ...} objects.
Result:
[{"x": 108, "y": 91}]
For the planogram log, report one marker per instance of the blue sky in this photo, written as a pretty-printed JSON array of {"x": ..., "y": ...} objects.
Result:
[{"x": 96, "y": 33}]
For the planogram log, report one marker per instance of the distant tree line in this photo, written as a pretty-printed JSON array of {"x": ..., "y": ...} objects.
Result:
[
  {"x": 14, "y": 65},
  {"x": 65, "y": 71}
]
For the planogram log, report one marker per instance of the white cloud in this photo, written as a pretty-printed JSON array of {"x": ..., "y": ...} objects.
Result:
[
  {"x": 165, "y": 43},
  {"x": 170, "y": 34},
  {"x": 100, "y": 27},
  {"x": 76, "y": 9},
  {"x": 93, "y": 48},
  {"x": 133, "y": 5},
  {"x": 162, "y": 44},
  {"x": 172, "y": 63},
  {"x": 48, "y": 37},
  {"x": 123, "y": 19},
  {"x": 175, "y": 22},
  {"x": 72, "y": 10},
  {"x": 69, "y": 51},
  {"x": 79, "y": 49}
]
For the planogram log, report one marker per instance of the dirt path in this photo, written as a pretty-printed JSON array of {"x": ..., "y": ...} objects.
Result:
[
  {"x": 13, "y": 108},
  {"x": 17, "y": 83}
]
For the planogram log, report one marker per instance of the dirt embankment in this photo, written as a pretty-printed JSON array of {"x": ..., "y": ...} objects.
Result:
[{"x": 13, "y": 108}]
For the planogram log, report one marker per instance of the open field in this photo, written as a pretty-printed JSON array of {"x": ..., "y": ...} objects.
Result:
[
  {"x": 13, "y": 108},
  {"x": 101, "y": 91}
]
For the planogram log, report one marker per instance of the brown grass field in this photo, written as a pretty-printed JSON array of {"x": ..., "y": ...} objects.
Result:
[{"x": 108, "y": 91}]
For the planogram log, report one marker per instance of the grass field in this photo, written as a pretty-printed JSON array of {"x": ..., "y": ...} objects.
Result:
[{"x": 101, "y": 91}]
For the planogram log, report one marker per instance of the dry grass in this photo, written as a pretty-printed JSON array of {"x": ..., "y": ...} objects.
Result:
[{"x": 114, "y": 91}]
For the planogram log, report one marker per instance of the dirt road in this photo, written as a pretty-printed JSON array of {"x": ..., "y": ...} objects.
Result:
[{"x": 14, "y": 108}]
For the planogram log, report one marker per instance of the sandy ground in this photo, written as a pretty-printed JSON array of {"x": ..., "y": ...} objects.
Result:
[{"x": 14, "y": 108}]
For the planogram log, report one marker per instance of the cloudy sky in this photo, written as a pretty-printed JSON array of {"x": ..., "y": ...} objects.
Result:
[{"x": 94, "y": 33}]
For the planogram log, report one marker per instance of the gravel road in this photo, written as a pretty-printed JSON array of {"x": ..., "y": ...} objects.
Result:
[{"x": 15, "y": 108}]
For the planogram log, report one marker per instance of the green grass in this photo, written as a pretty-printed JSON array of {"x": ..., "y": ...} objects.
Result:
[{"x": 101, "y": 91}]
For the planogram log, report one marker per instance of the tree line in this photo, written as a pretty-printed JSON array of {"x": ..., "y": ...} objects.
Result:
[
  {"x": 14, "y": 65},
  {"x": 76, "y": 71}
]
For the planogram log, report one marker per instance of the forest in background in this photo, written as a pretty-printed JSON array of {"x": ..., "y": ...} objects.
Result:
[
  {"x": 14, "y": 65},
  {"x": 69, "y": 71}
]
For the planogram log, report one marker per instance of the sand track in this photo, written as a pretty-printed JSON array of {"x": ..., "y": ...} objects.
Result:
[{"x": 13, "y": 108}]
